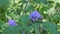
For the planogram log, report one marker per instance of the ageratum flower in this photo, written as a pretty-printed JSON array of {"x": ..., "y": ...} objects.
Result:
[
  {"x": 11, "y": 22},
  {"x": 35, "y": 15}
]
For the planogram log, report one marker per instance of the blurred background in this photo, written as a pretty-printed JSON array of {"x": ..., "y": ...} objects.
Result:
[{"x": 19, "y": 11}]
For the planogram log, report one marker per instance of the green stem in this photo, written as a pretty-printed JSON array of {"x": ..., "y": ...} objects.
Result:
[{"x": 41, "y": 28}]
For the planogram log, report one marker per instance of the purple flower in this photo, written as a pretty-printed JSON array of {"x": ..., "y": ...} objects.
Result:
[
  {"x": 35, "y": 15},
  {"x": 11, "y": 22}
]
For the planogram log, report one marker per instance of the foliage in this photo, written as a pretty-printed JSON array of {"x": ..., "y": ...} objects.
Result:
[{"x": 19, "y": 11}]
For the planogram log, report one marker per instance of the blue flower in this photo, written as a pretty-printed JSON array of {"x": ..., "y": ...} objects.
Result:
[
  {"x": 11, "y": 22},
  {"x": 35, "y": 15}
]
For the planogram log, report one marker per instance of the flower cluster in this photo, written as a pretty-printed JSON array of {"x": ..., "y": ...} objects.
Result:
[
  {"x": 11, "y": 22},
  {"x": 35, "y": 15}
]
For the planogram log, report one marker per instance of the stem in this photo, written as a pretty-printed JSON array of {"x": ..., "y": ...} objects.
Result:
[{"x": 41, "y": 28}]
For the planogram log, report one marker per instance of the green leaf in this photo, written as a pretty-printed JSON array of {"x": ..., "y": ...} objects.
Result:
[
  {"x": 40, "y": 1},
  {"x": 36, "y": 27},
  {"x": 12, "y": 30},
  {"x": 23, "y": 20},
  {"x": 30, "y": 7},
  {"x": 51, "y": 27},
  {"x": 56, "y": 17},
  {"x": 4, "y": 2},
  {"x": 28, "y": 28}
]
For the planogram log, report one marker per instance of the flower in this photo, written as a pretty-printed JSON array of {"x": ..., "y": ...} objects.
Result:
[
  {"x": 11, "y": 22},
  {"x": 35, "y": 15}
]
